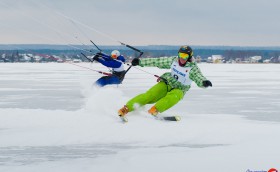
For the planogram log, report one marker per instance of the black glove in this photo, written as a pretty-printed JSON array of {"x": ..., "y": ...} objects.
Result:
[
  {"x": 99, "y": 54},
  {"x": 135, "y": 62},
  {"x": 207, "y": 83},
  {"x": 96, "y": 57}
]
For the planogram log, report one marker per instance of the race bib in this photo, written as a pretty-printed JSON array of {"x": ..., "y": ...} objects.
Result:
[{"x": 181, "y": 74}]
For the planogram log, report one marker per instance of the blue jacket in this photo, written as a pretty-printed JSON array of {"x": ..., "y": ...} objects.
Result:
[{"x": 110, "y": 62}]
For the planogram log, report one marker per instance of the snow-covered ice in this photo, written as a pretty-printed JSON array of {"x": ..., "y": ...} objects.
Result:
[{"x": 52, "y": 119}]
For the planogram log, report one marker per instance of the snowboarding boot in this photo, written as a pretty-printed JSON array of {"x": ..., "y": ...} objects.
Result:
[
  {"x": 122, "y": 112},
  {"x": 153, "y": 111}
]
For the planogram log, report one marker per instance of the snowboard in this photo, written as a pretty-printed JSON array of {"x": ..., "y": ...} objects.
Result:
[{"x": 163, "y": 118}]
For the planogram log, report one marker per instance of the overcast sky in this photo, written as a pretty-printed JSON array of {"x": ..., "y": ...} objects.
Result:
[{"x": 141, "y": 22}]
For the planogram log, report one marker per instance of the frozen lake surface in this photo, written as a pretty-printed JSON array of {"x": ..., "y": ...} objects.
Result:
[
  {"x": 52, "y": 120},
  {"x": 243, "y": 89}
]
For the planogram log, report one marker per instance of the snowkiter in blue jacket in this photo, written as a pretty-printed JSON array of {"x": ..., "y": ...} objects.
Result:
[{"x": 116, "y": 62}]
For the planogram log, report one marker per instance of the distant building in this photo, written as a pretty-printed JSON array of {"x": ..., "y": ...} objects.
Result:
[
  {"x": 37, "y": 58},
  {"x": 68, "y": 59},
  {"x": 275, "y": 60},
  {"x": 266, "y": 61},
  {"x": 77, "y": 61},
  {"x": 238, "y": 60},
  {"x": 198, "y": 59},
  {"x": 215, "y": 59},
  {"x": 255, "y": 59},
  {"x": 26, "y": 57}
]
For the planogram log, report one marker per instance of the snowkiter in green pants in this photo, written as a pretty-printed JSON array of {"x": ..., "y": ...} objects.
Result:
[{"x": 172, "y": 85}]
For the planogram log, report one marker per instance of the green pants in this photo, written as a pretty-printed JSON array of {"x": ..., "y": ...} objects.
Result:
[{"x": 163, "y": 95}]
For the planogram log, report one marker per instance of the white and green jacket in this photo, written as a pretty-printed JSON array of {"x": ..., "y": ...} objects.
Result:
[{"x": 179, "y": 77}]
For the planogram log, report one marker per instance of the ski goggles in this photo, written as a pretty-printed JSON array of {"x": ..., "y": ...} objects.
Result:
[
  {"x": 184, "y": 56},
  {"x": 114, "y": 56}
]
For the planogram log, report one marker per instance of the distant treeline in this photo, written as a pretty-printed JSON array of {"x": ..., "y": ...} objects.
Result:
[{"x": 149, "y": 51}]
